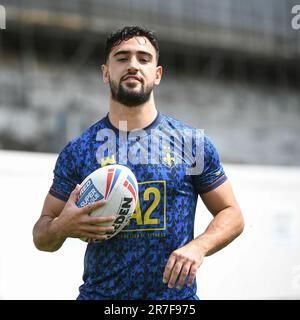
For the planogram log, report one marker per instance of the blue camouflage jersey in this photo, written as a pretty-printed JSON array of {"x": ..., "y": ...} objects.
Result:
[{"x": 162, "y": 156}]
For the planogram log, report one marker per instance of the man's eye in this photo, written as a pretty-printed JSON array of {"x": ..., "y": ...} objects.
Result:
[{"x": 122, "y": 59}]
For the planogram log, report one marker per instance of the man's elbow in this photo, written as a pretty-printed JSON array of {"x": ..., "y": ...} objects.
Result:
[
  {"x": 43, "y": 247},
  {"x": 240, "y": 223},
  {"x": 40, "y": 246},
  {"x": 40, "y": 243}
]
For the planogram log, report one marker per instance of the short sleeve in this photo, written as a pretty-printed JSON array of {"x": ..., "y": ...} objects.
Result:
[
  {"x": 213, "y": 174},
  {"x": 65, "y": 177}
]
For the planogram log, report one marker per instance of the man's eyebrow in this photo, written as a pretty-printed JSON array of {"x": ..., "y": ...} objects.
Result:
[
  {"x": 121, "y": 52},
  {"x": 145, "y": 52},
  {"x": 128, "y": 52}
]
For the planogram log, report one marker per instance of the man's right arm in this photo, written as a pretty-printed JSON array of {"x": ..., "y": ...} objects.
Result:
[
  {"x": 45, "y": 235},
  {"x": 60, "y": 220}
]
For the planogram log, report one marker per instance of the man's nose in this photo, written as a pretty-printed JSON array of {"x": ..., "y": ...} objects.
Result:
[{"x": 133, "y": 65}]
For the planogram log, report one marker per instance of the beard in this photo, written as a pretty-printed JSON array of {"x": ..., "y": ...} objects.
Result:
[{"x": 129, "y": 97}]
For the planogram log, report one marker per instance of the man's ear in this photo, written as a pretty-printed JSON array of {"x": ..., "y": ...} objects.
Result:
[
  {"x": 105, "y": 74},
  {"x": 158, "y": 75}
]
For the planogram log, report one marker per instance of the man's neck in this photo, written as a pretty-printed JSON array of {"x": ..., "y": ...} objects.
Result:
[{"x": 135, "y": 117}]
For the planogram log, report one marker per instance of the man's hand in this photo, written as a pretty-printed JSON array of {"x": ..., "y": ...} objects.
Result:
[
  {"x": 60, "y": 220},
  {"x": 76, "y": 222},
  {"x": 227, "y": 224},
  {"x": 183, "y": 262}
]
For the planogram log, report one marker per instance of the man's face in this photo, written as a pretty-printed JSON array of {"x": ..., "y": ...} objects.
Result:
[{"x": 132, "y": 71}]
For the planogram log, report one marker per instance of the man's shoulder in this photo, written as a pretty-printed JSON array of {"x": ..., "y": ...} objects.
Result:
[
  {"x": 89, "y": 134},
  {"x": 170, "y": 124},
  {"x": 174, "y": 123}
]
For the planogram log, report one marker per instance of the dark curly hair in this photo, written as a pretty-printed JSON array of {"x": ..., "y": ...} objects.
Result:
[{"x": 126, "y": 33}]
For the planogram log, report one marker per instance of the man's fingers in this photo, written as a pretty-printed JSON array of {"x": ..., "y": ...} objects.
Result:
[
  {"x": 181, "y": 268},
  {"x": 99, "y": 220},
  {"x": 99, "y": 229},
  {"x": 192, "y": 275},
  {"x": 185, "y": 270},
  {"x": 75, "y": 193},
  {"x": 169, "y": 268},
  {"x": 175, "y": 272},
  {"x": 96, "y": 232},
  {"x": 93, "y": 206},
  {"x": 94, "y": 236}
]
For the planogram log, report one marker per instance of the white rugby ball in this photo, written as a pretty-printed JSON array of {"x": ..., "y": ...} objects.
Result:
[{"x": 118, "y": 186}]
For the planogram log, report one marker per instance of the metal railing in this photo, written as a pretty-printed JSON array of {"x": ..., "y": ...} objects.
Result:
[{"x": 254, "y": 25}]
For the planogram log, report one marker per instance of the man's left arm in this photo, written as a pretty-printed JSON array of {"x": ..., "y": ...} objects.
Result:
[{"x": 227, "y": 224}]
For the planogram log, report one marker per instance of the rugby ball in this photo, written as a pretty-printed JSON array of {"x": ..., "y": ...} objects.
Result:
[{"x": 118, "y": 186}]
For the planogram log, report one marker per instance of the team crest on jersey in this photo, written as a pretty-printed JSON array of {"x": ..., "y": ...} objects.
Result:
[{"x": 168, "y": 158}]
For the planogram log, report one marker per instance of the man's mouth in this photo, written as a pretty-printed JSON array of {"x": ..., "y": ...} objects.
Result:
[{"x": 132, "y": 79}]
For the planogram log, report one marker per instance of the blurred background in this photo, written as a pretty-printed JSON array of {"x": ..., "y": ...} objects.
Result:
[{"x": 231, "y": 67}]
